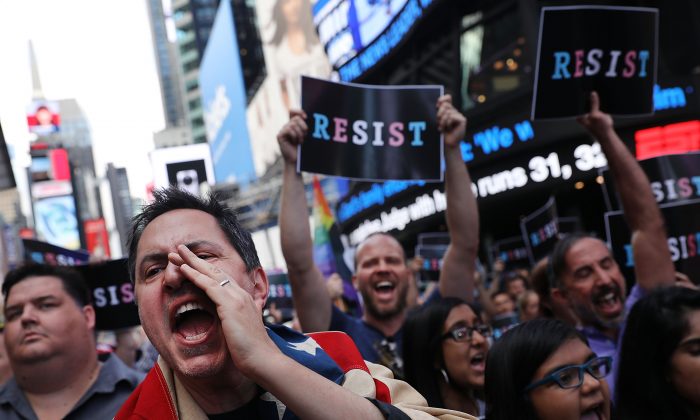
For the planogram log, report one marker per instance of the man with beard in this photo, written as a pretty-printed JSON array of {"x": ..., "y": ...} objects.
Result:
[
  {"x": 582, "y": 268},
  {"x": 381, "y": 274}
]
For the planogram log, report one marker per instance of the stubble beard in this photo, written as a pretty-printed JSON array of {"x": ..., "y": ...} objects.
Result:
[{"x": 385, "y": 314}]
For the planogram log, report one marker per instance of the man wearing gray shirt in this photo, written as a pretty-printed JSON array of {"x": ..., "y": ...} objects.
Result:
[{"x": 50, "y": 339}]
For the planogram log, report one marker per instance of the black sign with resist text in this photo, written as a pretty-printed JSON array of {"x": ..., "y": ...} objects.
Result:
[
  {"x": 371, "y": 132},
  {"x": 611, "y": 50},
  {"x": 112, "y": 294}
]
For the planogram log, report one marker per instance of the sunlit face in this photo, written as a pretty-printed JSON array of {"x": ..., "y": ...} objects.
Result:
[
  {"x": 381, "y": 276},
  {"x": 684, "y": 369},
  {"x": 43, "y": 322},
  {"x": 192, "y": 342},
  {"x": 465, "y": 362},
  {"x": 593, "y": 283},
  {"x": 590, "y": 401}
]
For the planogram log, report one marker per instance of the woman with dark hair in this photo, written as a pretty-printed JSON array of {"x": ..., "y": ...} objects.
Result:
[
  {"x": 543, "y": 369},
  {"x": 660, "y": 358},
  {"x": 444, "y": 349},
  {"x": 297, "y": 49}
]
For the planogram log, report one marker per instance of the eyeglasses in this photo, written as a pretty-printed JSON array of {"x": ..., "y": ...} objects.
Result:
[
  {"x": 572, "y": 376},
  {"x": 465, "y": 334}
]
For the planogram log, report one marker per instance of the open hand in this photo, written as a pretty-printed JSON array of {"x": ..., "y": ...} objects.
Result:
[{"x": 240, "y": 314}]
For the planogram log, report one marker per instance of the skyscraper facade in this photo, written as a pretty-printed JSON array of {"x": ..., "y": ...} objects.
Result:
[{"x": 167, "y": 63}]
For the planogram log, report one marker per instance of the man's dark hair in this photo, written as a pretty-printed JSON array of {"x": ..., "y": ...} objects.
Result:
[
  {"x": 73, "y": 282},
  {"x": 512, "y": 362},
  {"x": 173, "y": 198},
  {"x": 513, "y": 277},
  {"x": 655, "y": 327},
  {"x": 557, "y": 259},
  {"x": 499, "y": 293}
]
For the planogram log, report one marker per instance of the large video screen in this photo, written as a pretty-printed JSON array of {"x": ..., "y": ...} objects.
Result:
[
  {"x": 358, "y": 33},
  {"x": 56, "y": 221}
]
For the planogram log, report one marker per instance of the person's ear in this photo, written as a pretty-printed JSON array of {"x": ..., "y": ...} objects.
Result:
[
  {"x": 89, "y": 314},
  {"x": 261, "y": 287},
  {"x": 559, "y": 294}
]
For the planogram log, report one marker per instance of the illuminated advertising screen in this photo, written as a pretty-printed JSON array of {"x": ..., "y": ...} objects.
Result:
[
  {"x": 97, "y": 237},
  {"x": 291, "y": 48},
  {"x": 43, "y": 117},
  {"x": 223, "y": 98},
  {"x": 56, "y": 221},
  {"x": 187, "y": 167},
  {"x": 358, "y": 33}
]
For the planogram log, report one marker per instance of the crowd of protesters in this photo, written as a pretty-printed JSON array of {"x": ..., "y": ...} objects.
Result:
[{"x": 564, "y": 339}]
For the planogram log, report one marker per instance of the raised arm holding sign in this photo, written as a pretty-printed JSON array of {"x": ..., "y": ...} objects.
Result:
[
  {"x": 583, "y": 269},
  {"x": 381, "y": 274}
]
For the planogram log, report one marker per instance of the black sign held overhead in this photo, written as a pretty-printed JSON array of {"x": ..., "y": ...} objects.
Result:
[
  {"x": 371, "y": 132},
  {"x": 682, "y": 230},
  {"x": 512, "y": 251},
  {"x": 540, "y": 231},
  {"x": 112, "y": 294},
  {"x": 611, "y": 50},
  {"x": 45, "y": 253},
  {"x": 673, "y": 179}
]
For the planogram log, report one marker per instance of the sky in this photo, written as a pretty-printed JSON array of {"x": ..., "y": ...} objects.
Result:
[{"x": 100, "y": 54}]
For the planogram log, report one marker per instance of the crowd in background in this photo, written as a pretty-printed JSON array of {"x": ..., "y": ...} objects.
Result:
[{"x": 563, "y": 339}]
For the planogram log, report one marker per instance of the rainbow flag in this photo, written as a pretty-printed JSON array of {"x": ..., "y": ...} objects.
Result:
[{"x": 328, "y": 248}]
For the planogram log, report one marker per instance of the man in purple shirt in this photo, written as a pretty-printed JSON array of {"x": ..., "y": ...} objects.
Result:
[{"x": 583, "y": 270}]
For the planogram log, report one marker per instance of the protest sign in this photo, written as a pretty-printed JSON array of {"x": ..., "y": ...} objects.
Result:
[
  {"x": 540, "y": 231},
  {"x": 512, "y": 251},
  {"x": 434, "y": 238},
  {"x": 612, "y": 50},
  {"x": 45, "y": 253},
  {"x": 112, "y": 294},
  {"x": 432, "y": 256},
  {"x": 280, "y": 294},
  {"x": 682, "y": 230},
  {"x": 673, "y": 179},
  {"x": 371, "y": 132}
]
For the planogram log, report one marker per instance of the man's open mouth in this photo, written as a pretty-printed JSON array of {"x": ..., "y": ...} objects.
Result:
[
  {"x": 192, "y": 321},
  {"x": 384, "y": 288}
]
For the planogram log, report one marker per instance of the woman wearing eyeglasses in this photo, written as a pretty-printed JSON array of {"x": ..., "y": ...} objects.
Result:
[
  {"x": 659, "y": 367},
  {"x": 544, "y": 369},
  {"x": 445, "y": 345}
]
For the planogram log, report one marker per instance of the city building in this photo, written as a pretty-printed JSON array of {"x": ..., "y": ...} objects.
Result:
[{"x": 167, "y": 64}]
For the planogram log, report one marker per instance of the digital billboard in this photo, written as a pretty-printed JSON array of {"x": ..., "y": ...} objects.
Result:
[
  {"x": 224, "y": 99},
  {"x": 356, "y": 34},
  {"x": 43, "y": 117},
  {"x": 291, "y": 48},
  {"x": 187, "y": 167},
  {"x": 56, "y": 221}
]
